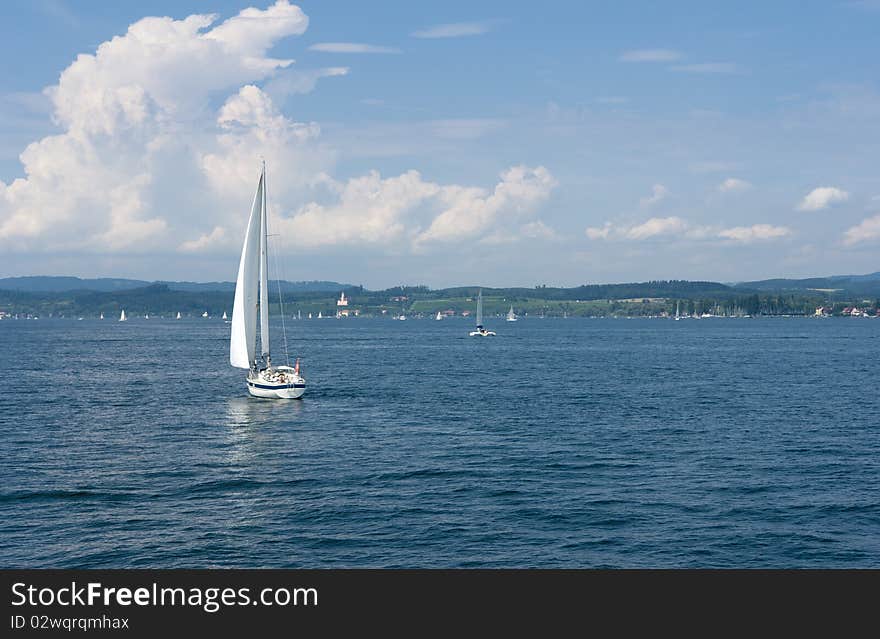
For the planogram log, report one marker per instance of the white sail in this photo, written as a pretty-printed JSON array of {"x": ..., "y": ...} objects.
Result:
[
  {"x": 243, "y": 341},
  {"x": 511, "y": 316},
  {"x": 122, "y": 316},
  {"x": 439, "y": 316},
  {"x": 480, "y": 308},
  {"x": 264, "y": 273},
  {"x": 224, "y": 315},
  {"x": 178, "y": 314}
]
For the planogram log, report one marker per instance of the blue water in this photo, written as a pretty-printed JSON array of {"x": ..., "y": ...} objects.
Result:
[{"x": 560, "y": 443}]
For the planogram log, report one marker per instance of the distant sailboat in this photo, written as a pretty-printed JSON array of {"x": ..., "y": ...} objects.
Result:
[
  {"x": 102, "y": 316},
  {"x": 251, "y": 301},
  {"x": 299, "y": 315},
  {"x": 439, "y": 316},
  {"x": 122, "y": 317},
  {"x": 146, "y": 316},
  {"x": 511, "y": 316},
  {"x": 205, "y": 314},
  {"x": 320, "y": 316},
  {"x": 178, "y": 314},
  {"x": 310, "y": 316},
  {"x": 480, "y": 332},
  {"x": 224, "y": 314},
  {"x": 677, "y": 315}
]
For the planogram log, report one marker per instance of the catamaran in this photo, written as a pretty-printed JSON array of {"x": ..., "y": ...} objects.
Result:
[
  {"x": 480, "y": 332},
  {"x": 511, "y": 316},
  {"x": 252, "y": 300},
  {"x": 122, "y": 317}
]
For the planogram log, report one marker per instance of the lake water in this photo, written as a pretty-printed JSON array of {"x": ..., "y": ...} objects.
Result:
[{"x": 559, "y": 443}]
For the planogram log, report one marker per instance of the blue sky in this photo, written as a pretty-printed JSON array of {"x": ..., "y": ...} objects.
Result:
[{"x": 495, "y": 143}]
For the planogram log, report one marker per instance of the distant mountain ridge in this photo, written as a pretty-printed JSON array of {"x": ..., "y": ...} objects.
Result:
[
  {"x": 867, "y": 285},
  {"x": 63, "y": 284}
]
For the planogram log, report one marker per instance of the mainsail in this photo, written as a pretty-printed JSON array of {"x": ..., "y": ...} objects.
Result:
[
  {"x": 243, "y": 340},
  {"x": 480, "y": 309}
]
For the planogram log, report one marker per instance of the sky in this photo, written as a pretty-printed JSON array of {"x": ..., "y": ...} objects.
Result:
[{"x": 455, "y": 143}]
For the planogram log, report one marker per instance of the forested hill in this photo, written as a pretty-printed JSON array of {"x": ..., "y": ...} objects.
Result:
[{"x": 61, "y": 284}]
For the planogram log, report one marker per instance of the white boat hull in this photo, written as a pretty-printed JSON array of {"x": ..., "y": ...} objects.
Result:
[
  {"x": 281, "y": 383},
  {"x": 482, "y": 333}
]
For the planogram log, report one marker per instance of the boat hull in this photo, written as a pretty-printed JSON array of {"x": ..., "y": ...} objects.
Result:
[
  {"x": 292, "y": 387},
  {"x": 482, "y": 333},
  {"x": 279, "y": 391}
]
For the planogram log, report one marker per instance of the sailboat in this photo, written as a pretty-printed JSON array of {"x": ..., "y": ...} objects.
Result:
[
  {"x": 122, "y": 317},
  {"x": 102, "y": 316},
  {"x": 677, "y": 315},
  {"x": 205, "y": 314},
  {"x": 310, "y": 316},
  {"x": 252, "y": 300},
  {"x": 224, "y": 315},
  {"x": 511, "y": 316},
  {"x": 320, "y": 316},
  {"x": 439, "y": 316},
  {"x": 178, "y": 314},
  {"x": 480, "y": 332},
  {"x": 146, "y": 316}
]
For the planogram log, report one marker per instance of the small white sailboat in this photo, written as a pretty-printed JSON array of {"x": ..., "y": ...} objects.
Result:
[
  {"x": 122, "y": 317},
  {"x": 205, "y": 314},
  {"x": 320, "y": 316},
  {"x": 146, "y": 316},
  {"x": 252, "y": 300},
  {"x": 439, "y": 316},
  {"x": 310, "y": 316},
  {"x": 224, "y": 314},
  {"x": 178, "y": 314},
  {"x": 511, "y": 316},
  {"x": 677, "y": 315},
  {"x": 299, "y": 315},
  {"x": 480, "y": 332},
  {"x": 102, "y": 316}
]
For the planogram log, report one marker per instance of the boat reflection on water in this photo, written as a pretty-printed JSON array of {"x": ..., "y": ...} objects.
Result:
[{"x": 252, "y": 423}]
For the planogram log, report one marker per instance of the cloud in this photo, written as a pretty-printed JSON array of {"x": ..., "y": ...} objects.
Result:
[
  {"x": 351, "y": 47},
  {"x": 656, "y": 226},
  {"x": 677, "y": 228},
  {"x": 125, "y": 113},
  {"x": 822, "y": 198},
  {"x": 370, "y": 210},
  {"x": 755, "y": 233},
  {"x": 867, "y": 231},
  {"x": 650, "y": 55},
  {"x": 297, "y": 82},
  {"x": 160, "y": 135},
  {"x": 708, "y": 67},
  {"x": 731, "y": 185},
  {"x": 454, "y": 30},
  {"x": 658, "y": 192},
  {"x": 205, "y": 242},
  {"x": 469, "y": 211}
]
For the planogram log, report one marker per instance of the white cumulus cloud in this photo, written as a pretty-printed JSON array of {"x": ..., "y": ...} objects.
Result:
[
  {"x": 822, "y": 198},
  {"x": 868, "y": 230},
  {"x": 658, "y": 192},
  {"x": 731, "y": 185},
  {"x": 755, "y": 233}
]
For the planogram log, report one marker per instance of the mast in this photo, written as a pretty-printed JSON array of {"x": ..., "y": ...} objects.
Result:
[{"x": 264, "y": 273}]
